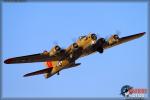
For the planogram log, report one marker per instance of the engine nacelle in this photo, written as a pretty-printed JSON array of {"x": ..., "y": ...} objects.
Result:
[
  {"x": 55, "y": 50},
  {"x": 45, "y": 52},
  {"x": 75, "y": 51},
  {"x": 75, "y": 46},
  {"x": 113, "y": 39},
  {"x": 93, "y": 36}
]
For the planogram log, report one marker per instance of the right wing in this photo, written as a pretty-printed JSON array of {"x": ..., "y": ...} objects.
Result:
[
  {"x": 31, "y": 58},
  {"x": 124, "y": 39}
]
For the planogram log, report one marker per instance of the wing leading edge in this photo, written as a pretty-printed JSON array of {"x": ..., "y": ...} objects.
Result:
[{"x": 30, "y": 59}]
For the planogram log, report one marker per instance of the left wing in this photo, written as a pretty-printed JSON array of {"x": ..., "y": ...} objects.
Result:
[
  {"x": 124, "y": 39},
  {"x": 40, "y": 57}
]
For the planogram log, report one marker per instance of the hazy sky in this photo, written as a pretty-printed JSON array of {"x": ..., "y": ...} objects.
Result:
[{"x": 30, "y": 28}]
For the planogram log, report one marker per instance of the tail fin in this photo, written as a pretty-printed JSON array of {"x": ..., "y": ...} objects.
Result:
[{"x": 47, "y": 70}]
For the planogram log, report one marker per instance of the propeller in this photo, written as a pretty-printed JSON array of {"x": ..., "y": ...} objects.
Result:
[
  {"x": 118, "y": 32},
  {"x": 74, "y": 40},
  {"x": 55, "y": 43},
  {"x": 98, "y": 35}
]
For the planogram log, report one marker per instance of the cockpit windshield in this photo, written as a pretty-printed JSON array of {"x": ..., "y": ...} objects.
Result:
[{"x": 81, "y": 37}]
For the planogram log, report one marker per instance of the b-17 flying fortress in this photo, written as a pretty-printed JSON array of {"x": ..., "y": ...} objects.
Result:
[{"x": 58, "y": 59}]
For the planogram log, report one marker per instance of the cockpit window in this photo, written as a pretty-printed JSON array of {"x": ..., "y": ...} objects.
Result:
[{"x": 81, "y": 37}]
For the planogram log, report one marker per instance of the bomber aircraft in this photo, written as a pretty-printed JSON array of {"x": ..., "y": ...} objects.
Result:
[{"x": 58, "y": 59}]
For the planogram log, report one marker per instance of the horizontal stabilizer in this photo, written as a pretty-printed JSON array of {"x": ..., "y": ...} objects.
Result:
[
  {"x": 47, "y": 70},
  {"x": 73, "y": 65},
  {"x": 77, "y": 64}
]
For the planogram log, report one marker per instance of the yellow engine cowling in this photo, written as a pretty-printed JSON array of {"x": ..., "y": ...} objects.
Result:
[
  {"x": 113, "y": 39},
  {"x": 75, "y": 45},
  {"x": 56, "y": 49}
]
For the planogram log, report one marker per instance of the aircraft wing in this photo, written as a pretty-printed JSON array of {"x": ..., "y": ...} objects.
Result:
[
  {"x": 125, "y": 39},
  {"x": 40, "y": 57}
]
